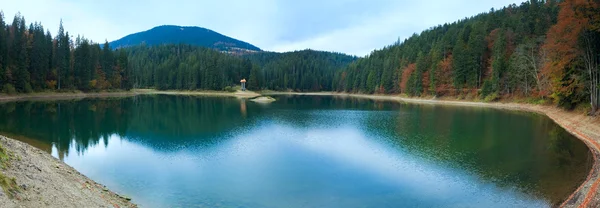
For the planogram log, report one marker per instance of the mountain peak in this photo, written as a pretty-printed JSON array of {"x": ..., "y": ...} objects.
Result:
[{"x": 174, "y": 34}]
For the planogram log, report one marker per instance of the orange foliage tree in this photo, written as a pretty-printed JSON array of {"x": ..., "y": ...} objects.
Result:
[
  {"x": 444, "y": 76},
  {"x": 406, "y": 72},
  {"x": 426, "y": 80},
  {"x": 565, "y": 51}
]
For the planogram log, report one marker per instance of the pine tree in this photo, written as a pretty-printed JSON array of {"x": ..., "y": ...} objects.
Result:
[
  {"x": 499, "y": 62},
  {"x": 255, "y": 79},
  {"x": 82, "y": 64},
  {"x": 62, "y": 56},
  {"x": 107, "y": 60},
  {"x": 18, "y": 55},
  {"x": 3, "y": 51},
  {"x": 371, "y": 82},
  {"x": 460, "y": 65},
  {"x": 476, "y": 49},
  {"x": 125, "y": 71}
]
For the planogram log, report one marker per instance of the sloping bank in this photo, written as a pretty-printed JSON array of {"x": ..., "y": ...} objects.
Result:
[
  {"x": 31, "y": 177},
  {"x": 583, "y": 127}
]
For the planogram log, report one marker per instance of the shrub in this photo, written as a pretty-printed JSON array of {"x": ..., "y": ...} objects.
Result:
[
  {"x": 28, "y": 88},
  {"x": 492, "y": 97},
  {"x": 229, "y": 89},
  {"x": 9, "y": 89},
  {"x": 486, "y": 89}
]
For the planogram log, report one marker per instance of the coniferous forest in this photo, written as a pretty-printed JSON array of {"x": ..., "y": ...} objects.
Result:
[
  {"x": 306, "y": 70},
  {"x": 542, "y": 49},
  {"x": 31, "y": 59},
  {"x": 185, "y": 67}
]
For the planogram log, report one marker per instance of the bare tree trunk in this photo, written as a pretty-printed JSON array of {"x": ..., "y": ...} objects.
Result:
[
  {"x": 591, "y": 66},
  {"x": 534, "y": 63}
]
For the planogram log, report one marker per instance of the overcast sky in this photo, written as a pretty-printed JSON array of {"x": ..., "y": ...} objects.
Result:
[{"x": 348, "y": 26}]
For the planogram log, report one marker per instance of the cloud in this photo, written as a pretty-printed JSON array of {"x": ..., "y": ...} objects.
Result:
[{"x": 350, "y": 26}]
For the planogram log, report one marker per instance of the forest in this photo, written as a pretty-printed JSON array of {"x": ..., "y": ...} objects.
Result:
[
  {"x": 32, "y": 60},
  {"x": 305, "y": 70},
  {"x": 542, "y": 50},
  {"x": 547, "y": 50},
  {"x": 186, "y": 67}
]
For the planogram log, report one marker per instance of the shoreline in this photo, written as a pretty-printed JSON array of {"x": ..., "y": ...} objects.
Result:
[
  {"x": 34, "y": 178},
  {"x": 133, "y": 92},
  {"x": 583, "y": 127},
  {"x": 64, "y": 95}
]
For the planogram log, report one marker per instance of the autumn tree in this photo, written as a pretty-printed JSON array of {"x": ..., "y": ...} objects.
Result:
[
  {"x": 406, "y": 74},
  {"x": 444, "y": 76},
  {"x": 573, "y": 53},
  {"x": 525, "y": 67}
]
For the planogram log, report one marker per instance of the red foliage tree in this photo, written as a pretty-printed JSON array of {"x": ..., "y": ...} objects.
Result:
[
  {"x": 564, "y": 48},
  {"x": 444, "y": 76},
  {"x": 406, "y": 72}
]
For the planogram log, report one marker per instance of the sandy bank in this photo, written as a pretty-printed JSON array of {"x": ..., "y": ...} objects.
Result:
[
  {"x": 584, "y": 127},
  {"x": 81, "y": 95},
  {"x": 237, "y": 94},
  {"x": 263, "y": 99},
  {"x": 36, "y": 179},
  {"x": 63, "y": 95}
]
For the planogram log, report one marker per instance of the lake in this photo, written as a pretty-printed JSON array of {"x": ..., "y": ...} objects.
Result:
[{"x": 305, "y": 151}]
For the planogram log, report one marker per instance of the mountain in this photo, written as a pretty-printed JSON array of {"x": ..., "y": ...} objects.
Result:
[{"x": 197, "y": 36}]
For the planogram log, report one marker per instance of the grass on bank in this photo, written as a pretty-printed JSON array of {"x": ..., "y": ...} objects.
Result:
[{"x": 8, "y": 184}]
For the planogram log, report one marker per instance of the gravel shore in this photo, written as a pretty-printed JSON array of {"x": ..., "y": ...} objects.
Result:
[{"x": 33, "y": 178}]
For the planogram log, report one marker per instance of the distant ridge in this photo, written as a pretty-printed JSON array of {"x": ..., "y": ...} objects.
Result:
[{"x": 197, "y": 36}]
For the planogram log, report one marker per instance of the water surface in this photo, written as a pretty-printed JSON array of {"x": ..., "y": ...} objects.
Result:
[{"x": 305, "y": 151}]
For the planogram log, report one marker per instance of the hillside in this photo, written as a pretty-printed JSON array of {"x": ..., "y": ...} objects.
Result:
[
  {"x": 544, "y": 51},
  {"x": 197, "y": 36}
]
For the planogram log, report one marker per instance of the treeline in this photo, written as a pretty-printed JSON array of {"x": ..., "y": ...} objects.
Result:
[
  {"x": 186, "y": 67},
  {"x": 32, "y": 60},
  {"x": 305, "y": 70},
  {"x": 544, "y": 49}
]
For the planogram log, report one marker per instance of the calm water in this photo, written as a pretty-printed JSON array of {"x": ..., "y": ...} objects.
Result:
[{"x": 302, "y": 151}]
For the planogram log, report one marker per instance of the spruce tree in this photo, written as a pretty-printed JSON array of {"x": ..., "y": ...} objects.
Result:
[{"x": 3, "y": 51}]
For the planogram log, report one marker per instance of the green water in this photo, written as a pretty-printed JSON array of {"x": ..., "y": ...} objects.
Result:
[{"x": 304, "y": 151}]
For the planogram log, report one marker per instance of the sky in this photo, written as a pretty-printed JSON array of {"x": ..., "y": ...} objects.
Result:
[{"x": 348, "y": 26}]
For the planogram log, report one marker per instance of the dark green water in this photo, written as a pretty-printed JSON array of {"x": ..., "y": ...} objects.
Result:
[{"x": 302, "y": 151}]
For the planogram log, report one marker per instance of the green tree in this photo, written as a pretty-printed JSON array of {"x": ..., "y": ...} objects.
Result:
[
  {"x": 255, "y": 80},
  {"x": 107, "y": 60},
  {"x": 371, "y": 82},
  {"x": 3, "y": 51},
  {"x": 62, "y": 57},
  {"x": 18, "y": 55},
  {"x": 82, "y": 64}
]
